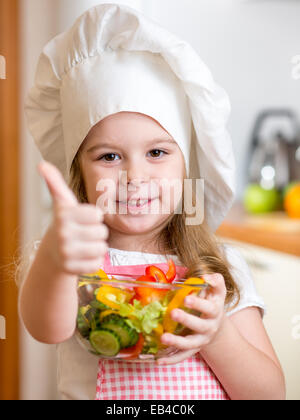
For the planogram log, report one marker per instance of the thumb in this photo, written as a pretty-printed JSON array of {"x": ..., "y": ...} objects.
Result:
[{"x": 59, "y": 190}]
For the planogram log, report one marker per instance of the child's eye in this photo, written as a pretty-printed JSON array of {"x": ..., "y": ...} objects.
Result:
[
  {"x": 108, "y": 155},
  {"x": 156, "y": 153}
]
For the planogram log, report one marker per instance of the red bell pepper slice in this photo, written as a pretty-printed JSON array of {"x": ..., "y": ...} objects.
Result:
[
  {"x": 157, "y": 273},
  {"x": 171, "y": 273},
  {"x": 150, "y": 295},
  {"x": 134, "y": 351},
  {"x": 147, "y": 295},
  {"x": 147, "y": 278},
  {"x": 138, "y": 290}
]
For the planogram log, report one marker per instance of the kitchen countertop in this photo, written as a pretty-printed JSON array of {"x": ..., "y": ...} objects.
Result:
[{"x": 273, "y": 230}]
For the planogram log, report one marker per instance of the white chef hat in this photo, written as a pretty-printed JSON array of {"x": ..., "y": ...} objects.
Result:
[{"x": 116, "y": 59}]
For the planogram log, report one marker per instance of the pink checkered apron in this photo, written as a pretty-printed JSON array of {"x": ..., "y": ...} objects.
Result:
[{"x": 191, "y": 379}]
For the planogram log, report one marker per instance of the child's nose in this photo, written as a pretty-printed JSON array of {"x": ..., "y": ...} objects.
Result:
[{"x": 134, "y": 176}]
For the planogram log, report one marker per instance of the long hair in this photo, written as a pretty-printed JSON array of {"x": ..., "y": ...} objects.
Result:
[{"x": 196, "y": 247}]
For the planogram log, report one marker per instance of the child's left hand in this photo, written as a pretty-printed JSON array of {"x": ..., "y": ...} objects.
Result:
[{"x": 206, "y": 328}]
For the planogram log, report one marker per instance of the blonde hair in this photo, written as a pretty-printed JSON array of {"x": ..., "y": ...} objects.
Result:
[{"x": 196, "y": 246}]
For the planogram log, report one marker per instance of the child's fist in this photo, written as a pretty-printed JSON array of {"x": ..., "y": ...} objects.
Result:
[{"x": 79, "y": 234}]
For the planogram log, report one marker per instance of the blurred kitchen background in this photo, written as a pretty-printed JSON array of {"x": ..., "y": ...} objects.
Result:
[{"x": 253, "y": 50}]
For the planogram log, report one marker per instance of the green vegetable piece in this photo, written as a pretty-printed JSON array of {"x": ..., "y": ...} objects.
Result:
[
  {"x": 143, "y": 318},
  {"x": 99, "y": 305},
  {"x": 83, "y": 325},
  {"x": 128, "y": 336},
  {"x": 91, "y": 314},
  {"x": 105, "y": 342},
  {"x": 151, "y": 345}
]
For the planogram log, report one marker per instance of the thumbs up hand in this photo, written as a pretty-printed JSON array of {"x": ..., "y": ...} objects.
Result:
[{"x": 78, "y": 244}]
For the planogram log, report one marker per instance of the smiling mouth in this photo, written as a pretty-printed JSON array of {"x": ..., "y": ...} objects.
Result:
[{"x": 136, "y": 204}]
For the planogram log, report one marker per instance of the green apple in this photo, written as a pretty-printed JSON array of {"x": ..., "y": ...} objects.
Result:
[{"x": 260, "y": 200}]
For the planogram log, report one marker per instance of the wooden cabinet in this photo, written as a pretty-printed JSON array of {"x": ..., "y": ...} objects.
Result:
[{"x": 9, "y": 199}]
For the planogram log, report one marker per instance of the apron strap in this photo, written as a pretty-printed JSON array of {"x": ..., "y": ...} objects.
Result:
[{"x": 139, "y": 269}]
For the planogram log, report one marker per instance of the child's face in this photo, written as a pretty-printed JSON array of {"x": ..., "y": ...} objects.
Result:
[{"x": 131, "y": 142}]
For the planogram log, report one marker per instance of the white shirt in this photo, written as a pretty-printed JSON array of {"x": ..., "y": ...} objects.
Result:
[{"x": 77, "y": 368}]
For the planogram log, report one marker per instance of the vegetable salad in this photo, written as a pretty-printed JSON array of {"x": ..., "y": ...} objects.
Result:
[{"x": 125, "y": 323}]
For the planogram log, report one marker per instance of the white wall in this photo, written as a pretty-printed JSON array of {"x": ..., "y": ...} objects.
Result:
[
  {"x": 69, "y": 10},
  {"x": 248, "y": 45}
]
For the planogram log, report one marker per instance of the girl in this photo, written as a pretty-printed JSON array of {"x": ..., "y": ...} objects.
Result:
[{"x": 95, "y": 119}]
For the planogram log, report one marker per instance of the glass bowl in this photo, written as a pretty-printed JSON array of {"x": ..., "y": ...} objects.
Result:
[{"x": 123, "y": 317}]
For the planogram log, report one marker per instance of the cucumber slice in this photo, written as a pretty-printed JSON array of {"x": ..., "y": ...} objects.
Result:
[
  {"x": 135, "y": 337},
  {"x": 83, "y": 325},
  {"x": 116, "y": 323},
  {"x": 105, "y": 342}
]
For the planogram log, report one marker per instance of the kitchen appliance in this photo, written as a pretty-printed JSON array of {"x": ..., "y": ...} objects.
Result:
[{"x": 275, "y": 149}]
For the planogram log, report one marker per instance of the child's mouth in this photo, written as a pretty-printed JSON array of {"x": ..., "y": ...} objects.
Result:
[{"x": 135, "y": 204}]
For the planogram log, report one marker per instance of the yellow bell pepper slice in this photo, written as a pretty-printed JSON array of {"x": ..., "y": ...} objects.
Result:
[
  {"x": 169, "y": 324},
  {"x": 159, "y": 330},
  {"x": 100, "y": 273},
  {"x": 112, "y": 296},
  {"x": 108, "y": 295},
  {"x": 103, "y": 314}
]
